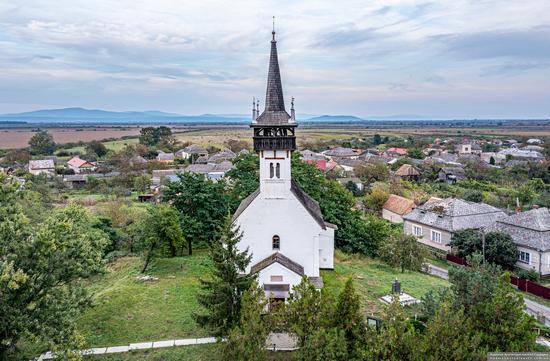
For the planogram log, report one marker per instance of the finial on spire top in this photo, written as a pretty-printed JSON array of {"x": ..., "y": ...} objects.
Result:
[{"x": 273, "y": 32}]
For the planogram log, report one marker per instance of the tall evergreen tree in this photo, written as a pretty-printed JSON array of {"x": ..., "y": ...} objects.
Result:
[
  {"x": 222, "y": 293},
  {"x": 397, "y": 340},
  {"x": 323, "y": 345},
  {"x": 247, "y": 341},
  {"x": 350, "y": 320}
]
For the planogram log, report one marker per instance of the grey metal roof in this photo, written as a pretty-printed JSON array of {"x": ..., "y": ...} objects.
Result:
[
  {"x": 310, "y": 204},
  {"x": 340, "y": 152},
  {"x": 193, "y": 149},
  {"x": 222, "y": 155},
  {"x": 453, "y": 214},
  {"x": 310, "y": 155},
  {"x": 274, "y": 113}
]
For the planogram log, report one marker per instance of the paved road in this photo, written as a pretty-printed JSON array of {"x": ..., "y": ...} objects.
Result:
[{"x": 531, "y": 307}]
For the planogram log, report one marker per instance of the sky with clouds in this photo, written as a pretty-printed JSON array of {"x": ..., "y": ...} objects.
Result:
[{"x": 440, "y": 59}]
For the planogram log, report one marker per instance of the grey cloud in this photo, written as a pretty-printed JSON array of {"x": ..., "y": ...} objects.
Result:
[
  {"x": 512, "y": 68},
  {"x": 531, "y": 43},
  {"x": 347, "y": 37},
  {"x": 382, "y": 11}
]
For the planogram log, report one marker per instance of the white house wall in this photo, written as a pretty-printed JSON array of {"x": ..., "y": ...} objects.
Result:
[{"x": 326, "y": 249}]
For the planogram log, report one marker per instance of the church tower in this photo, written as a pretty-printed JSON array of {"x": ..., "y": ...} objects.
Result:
[
  {"x": 274, "y": 138},
  {"x": 282, "y": 226}
]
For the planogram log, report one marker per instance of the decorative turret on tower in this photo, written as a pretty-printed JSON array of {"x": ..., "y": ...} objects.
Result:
[{"x": 274, "y": 138}]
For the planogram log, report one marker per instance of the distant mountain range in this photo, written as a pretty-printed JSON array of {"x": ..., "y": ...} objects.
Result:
[{"x": 82, "y": 115}]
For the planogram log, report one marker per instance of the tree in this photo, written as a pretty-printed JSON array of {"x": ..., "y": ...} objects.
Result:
[
  {"x": 96, "y": 147},
  {"x": 42, "y": 143},
  {"x": 151, "y": 136},
  {"x": 244, "y": 177},
  {"x": 492, "y": 160},
  {"x": 415, "y": 153},
  {"x": 373, "y": 172},
  {"x": 222, "y": 293},
  {"x": 403, "y": 251},
  {"x": 246, "y": 342},
  {"x": 142, "y": 183},
  {"x": 473, "y": 195},
  {"x": 323, "y": 345},
  {"x": 40, "y": 296},
  {"x": 377, "y": 139},
  {"x": 375, "y": 200},
  {"x": 397, "y": 340},
  {"x": 304, "y": 310},
  {"x": 160, "y": 234},
  {"x": 449, "y": 336},
  {"x": 353, "y": 189},
  {"x": 203, "y": 205},
  {"x": 473, "y": 285},
  {"x": 349, "y": 319},
  {"x": 502, "y": 323},
  {"x": 499, "y": 246}
]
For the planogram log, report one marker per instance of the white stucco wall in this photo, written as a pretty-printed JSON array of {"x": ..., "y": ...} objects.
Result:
[
  {"x": 288, "y": 277},
  {"x": 326, "y": 249},
  {"x": 286, "y": 217},
  {"x": 426, "y": 235}
]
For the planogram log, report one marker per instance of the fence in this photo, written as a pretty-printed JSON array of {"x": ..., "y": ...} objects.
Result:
[{"x": 522, "y": 284}]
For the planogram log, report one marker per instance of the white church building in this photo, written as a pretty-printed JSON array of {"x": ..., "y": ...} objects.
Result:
[{"x": 282, "y": 226}]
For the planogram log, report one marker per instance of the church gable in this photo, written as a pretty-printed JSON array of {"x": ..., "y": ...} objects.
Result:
[{"x": 310, "y": 204}]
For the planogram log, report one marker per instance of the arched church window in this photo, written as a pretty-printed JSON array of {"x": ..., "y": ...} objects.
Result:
[
  {"x": 278, "y": 170},
  {"x": 271, "y": 170},
  {"x": 276, "y": 243}
]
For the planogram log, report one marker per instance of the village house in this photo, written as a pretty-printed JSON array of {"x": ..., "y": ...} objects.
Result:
[
  {"x": 514, "y": 152},
  {"x": 465, "y": 148},
  {"x": 395, "y": 152},
  {"x": 214, "y": 171},
  {"x": 317, "y": 159},
  {"x": 534, "y": 141},
  {"x": 190, "y": 151},
  {"x": 408, "y": 172},
  {"x": 396, "y": 207},
  {"x": 434, "y": 222},
  {"x": 79, "y": 165},
  {"x": 165, "y": 157},
  {"x": 451, "y": 174},
  {"x": 75, "y": 181},
  {"x": 339, "y": 153},
  {"x": 222, "y": 156},
  {"x": 282, "y": 227},
  {"x": 356, "y": 181},
  {"x": 43, "y": 166},
  {"x": 530, "y": 231},
  {"x": 159, "y": 175}
]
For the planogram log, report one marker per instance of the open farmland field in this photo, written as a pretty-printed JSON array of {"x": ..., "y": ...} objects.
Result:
[
  {"x": 19, "y": 137},
  {"x": 218, "y": 135}
]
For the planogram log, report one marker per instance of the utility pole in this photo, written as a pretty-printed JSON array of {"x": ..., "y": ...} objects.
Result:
[{"x": 483, "y": 242}]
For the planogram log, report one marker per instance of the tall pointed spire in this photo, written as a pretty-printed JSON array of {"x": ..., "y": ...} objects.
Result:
[{"x": 274, "y": 112}]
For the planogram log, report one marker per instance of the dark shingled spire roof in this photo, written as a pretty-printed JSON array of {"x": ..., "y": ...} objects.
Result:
[{"x": 274, "y": 113}]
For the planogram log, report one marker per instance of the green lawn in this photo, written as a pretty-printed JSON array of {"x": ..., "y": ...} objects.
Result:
[
  {"x": 373, "y": 279},
  {"x": 127, "y": 310}
]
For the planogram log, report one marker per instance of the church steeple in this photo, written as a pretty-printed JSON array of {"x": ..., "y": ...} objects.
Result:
[{"x": 274, "y": 128}]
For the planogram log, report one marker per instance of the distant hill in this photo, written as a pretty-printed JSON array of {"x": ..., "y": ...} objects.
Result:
[{"x": 335, "y": 118}]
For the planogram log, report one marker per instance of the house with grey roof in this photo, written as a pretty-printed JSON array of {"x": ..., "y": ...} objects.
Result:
[
  {"x": 434, "y": 222},
  {"x": 451, "y": 174},
  {"x": 191, "y": 150},
  {"x": 42, "y": 166},
  {"x": 222, "y": 156},
  {"x": 165, "y": 157},
  {"x": 340, "y": 152},
  {"x": 530, "y": 231}
]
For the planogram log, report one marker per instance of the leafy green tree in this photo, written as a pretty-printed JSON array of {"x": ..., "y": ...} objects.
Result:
[
  {"x": 349, "y": 319},
  {"x": 377, "y": 139},
  {"x": 142, "y": 183},
  {"x": 322, "y": 345},
  {"x": 244, "y": 176},
  {"x": 152, "y": 136},
  {"x": 160, "y": 234},
  {"x": 373, "y": 172},
  {"x": 40, "y": 269},
  {"x": 500, "y": 248},
  {"x": 222, "y": 293},
  {"x": 397, "y": 340},
  {"x": 473, "y": 195},
  {"x": 375, "y": 200},
  {"x": 403, "y": 251},
  {"x": 42, "y": 143},
  {"x": 502, "y": 323},
  {"x": 203, "y": 205},
  {"x": 96, "y": 147},
  {"x": 114, "y": 236},
  {"x": 247, "y": 341},
  {"x": 415, "y": 153}
]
